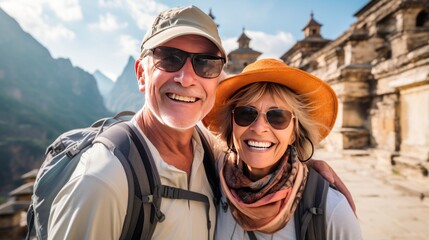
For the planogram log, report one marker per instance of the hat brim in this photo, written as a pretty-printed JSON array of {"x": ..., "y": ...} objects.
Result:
[
  {"x": 320, "y": 95},
  {"x": 177, "y": 31}
]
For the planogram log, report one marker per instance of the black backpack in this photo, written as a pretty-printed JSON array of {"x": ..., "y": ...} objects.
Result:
[
  {"x": 145, "y": 190},
  {"x": 310, "y": 215},
  {"x": 310, "y": 219}
]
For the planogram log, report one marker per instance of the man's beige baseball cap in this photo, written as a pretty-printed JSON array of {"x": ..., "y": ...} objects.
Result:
[{"x": 181, "y": 21}]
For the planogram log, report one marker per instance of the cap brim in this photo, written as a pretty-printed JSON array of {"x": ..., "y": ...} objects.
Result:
[{"x": 178, "y": 31}]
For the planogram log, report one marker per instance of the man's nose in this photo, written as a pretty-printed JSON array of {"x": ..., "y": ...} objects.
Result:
[{"x": 186, "y": 75}]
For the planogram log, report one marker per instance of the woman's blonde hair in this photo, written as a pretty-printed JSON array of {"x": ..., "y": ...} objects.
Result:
[{"x": 305, "y": 128}]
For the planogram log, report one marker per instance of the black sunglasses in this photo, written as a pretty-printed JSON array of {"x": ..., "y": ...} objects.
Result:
[
  {"x": 170, "y": 59},
  {"x": 277, "y": 118}
]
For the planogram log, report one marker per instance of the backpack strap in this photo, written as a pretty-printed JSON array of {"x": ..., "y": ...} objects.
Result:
[
  {"x": 210, "y": 168},
  {"x": 132, "y": 151},
  {"x": 310, "y": 219},
  {"x": 178, "y": 193},
  {"x": 252, "y": 235},
  {"x": 145, "y": 189},
  {"x": 30, "y": 222}
]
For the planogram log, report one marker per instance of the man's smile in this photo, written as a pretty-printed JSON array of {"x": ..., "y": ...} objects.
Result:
[{"x": 181, "y": 98}]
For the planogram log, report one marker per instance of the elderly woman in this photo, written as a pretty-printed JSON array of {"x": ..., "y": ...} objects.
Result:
[{"x": 270, "y": 116}]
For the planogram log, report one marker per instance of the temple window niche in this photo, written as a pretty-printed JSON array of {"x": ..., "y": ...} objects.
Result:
[{"x": 422, "y": 19}]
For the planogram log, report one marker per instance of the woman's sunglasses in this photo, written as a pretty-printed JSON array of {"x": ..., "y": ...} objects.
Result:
[
  {"x": 172, "y": 60},
  {"x": 277, "y": 118}
]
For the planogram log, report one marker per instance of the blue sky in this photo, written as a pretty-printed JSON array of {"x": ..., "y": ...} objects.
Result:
[{"x": 102, "y": 34}]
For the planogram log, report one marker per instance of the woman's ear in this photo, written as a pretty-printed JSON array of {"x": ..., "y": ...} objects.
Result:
[
  {"x": 294, "y": 133},
  {"x": 139, "y": 74},
  {"x": 292, "y": 138}
]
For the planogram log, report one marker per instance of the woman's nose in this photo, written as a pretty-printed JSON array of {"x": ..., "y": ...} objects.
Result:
[{"x": 260, "y": 124}]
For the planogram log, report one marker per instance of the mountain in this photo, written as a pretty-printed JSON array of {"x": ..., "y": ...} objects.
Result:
[
  {"x": 104, "y": 83},
  {"x": 40, "y": 98},
  {"x": 125, "y": 94}
]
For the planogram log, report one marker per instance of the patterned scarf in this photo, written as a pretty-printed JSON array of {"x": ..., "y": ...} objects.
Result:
[{"x": 265, "y": 205}]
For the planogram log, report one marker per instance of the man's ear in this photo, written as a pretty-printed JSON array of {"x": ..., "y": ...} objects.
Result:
[{"x": 139, "y": 74}]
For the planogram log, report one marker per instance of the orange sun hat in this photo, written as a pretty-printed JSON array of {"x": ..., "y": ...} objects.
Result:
[{"x": 321, "y": 96}]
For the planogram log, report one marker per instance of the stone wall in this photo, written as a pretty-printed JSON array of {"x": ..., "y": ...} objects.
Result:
[{"x": 379, "y": 68}]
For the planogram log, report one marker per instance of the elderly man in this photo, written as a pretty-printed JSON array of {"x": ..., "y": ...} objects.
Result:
[{"x": 179, "y": 70}]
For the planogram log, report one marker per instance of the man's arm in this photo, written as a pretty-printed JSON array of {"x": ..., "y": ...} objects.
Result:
[
  {"x": 93, "y": 204},
  {"x": 329, "y": 174}
]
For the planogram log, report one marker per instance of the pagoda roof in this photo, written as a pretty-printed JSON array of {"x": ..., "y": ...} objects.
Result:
[
  {"x": 12, "y": 207},
  {"x": 312, "y": 22},
  {"x": 26, "y": 188},
  {"x": 30, "y": 174}
]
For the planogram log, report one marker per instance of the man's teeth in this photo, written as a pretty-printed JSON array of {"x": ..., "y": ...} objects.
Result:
[
  {"x": 181, "y": 98},
  {"x": 256, "y": 144}
]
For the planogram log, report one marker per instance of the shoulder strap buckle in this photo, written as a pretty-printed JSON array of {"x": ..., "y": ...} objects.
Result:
[
  {"x": 170, "y": 192},
  {"x": 315, "y": 210}
]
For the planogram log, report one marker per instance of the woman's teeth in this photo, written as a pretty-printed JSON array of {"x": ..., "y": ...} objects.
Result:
[{"x": 256, "y": 144}]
